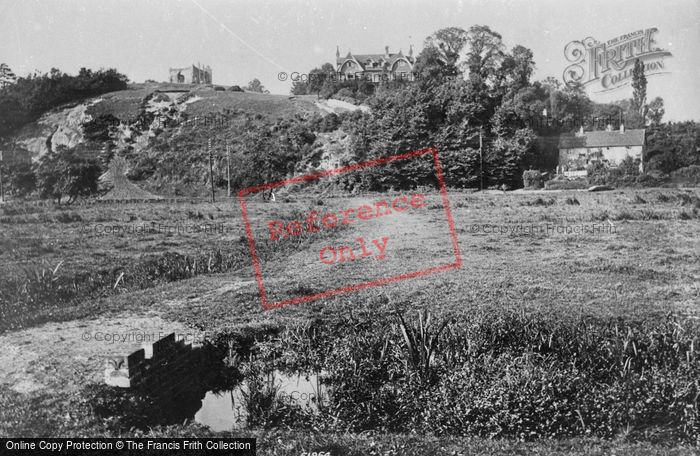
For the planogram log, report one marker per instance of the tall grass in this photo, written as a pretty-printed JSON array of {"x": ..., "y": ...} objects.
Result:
[
  {"x": 420, "y": 342},
  {"x": 510, "y": 375},
  {"x": 43, "y": 294}
]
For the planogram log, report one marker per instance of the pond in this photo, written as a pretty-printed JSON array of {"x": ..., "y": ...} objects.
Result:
[{"x": 225, "y": 410}]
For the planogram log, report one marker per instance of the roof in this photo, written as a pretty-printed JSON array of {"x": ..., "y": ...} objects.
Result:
[
  {"x": 603, "y": 139},
  {"x": 362, "y": 59}
]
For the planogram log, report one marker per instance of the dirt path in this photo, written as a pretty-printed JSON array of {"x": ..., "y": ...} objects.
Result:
[{"x": 70, "y": 354}]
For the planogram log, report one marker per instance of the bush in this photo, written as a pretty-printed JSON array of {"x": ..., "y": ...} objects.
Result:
[
  {"x": 542, "y": 202},
  {"x": 664, "y": 162},
  {"x": 235, "y": 88},
  {"x": 461, "y": 168},
  {"x": 629, "y": 166},
  {"x": 689, "y": 174},
  {"x": 64, "y": 173},
  {"x": 651, "y": 179},
  {"x": 20, "y": 178},
  {"x": 598, "y": 173},
  {"x": 329, "y": 123},
  {"x": 532, "y": 179}
]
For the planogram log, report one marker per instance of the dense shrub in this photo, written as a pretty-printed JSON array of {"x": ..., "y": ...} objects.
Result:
[
  {"x": 328, "y": 123},
  {"x": 509, "y": 375},
  {"x": 625, "y": 175},
  {"x": 532, "y": 179},
  {"x": 672, "y": 145},
  {"x": 650, "y": 179},
  {"x": 461, "y": 168},
  {"x": 542, "y": 202},
  {"x": 19, "y": 178},
  {"x": 65, "y": 173},
  {"x": 689, "y": 174}
]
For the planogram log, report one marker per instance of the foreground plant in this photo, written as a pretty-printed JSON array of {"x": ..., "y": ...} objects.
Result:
[{"x": 420, "y": 342}]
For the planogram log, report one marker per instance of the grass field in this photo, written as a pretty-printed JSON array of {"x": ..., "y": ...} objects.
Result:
[{"x": 555, "y": 256}]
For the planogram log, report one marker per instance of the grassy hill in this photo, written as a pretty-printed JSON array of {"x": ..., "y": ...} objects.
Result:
[
  {"x": 212, "y": 99},
  {"x": 163, "y": 131}
]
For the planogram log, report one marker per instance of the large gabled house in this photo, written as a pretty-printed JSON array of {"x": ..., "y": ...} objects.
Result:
[
  {"x": 376, "y": 67},
  {"x": 611, "y": 147}
]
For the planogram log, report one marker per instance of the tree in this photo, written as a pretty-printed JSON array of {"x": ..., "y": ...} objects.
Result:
[
  {"x": 255, "y": 86},
  {"x": 655, "y": 110},
  {"x": 318, "y": 76},
  {"x": 64, "y": 173},
  {"x": 484, "y": 54},
  {"x": 507, "y": 157},
  {"x": 517, "y": 68},
  {"x": 431, "y": 67},
  {"x": 448, "y": 43},
  {"x": 639, "y": 84},
  {"x": 28, "y": 98},
  {"x": 569, "y": 106},
  {"x": 315, "y": 81},
  {"x": 551, "y": 86},
  {"x": 7, "y": 77}
]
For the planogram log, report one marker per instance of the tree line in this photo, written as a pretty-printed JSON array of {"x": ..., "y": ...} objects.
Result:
[
  {"x": 23, "y": 100},
  {"x": 473, "y": 99}
]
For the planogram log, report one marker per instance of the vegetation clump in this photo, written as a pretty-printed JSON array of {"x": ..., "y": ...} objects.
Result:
[{"x": 512, "y": 375}]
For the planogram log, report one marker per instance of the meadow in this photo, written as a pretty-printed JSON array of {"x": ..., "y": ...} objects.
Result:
[{"x": 572, "y": 325}]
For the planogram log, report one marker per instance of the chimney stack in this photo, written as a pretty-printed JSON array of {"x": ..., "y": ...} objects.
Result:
[{"x": 386, "y": 51}]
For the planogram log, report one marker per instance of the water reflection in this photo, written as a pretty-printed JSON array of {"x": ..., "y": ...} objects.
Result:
[{"x": 226, "y": 410}]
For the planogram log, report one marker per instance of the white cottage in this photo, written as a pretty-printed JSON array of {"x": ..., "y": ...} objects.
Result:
[{"x": 577, "y": 151}]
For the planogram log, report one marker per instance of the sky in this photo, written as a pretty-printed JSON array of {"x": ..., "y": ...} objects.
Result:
[{"x": 246, "y": 39}]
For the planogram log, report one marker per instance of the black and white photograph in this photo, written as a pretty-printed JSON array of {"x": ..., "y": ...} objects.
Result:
[{"x": 350, "y": 228}]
